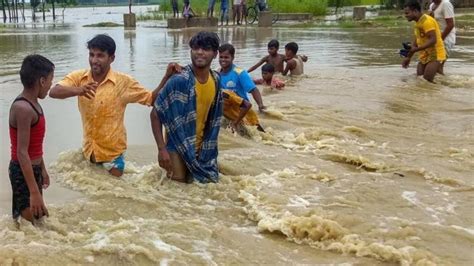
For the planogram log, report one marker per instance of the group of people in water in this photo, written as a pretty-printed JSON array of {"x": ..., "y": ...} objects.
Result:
[
  {"x": 239, "y": 10},
  {"x": 188, "y": 106}
]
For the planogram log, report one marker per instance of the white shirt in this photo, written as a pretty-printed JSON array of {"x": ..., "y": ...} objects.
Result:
[
  {"x": 441, "y": 13},
  {"x": 237, "y": 2}
]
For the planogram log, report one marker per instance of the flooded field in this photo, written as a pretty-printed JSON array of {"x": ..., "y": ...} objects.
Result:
[{"x": 362, "y": 162}]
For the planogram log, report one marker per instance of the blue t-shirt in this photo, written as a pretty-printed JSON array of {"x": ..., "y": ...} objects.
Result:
[{"x": 238, "y": 80}]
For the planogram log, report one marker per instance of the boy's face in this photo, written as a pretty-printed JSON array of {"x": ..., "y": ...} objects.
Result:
[
  {"x": 45, "y": 85},
  {"x": 225, "y": 59},
  {"x": 409, "y": 14},
  {"x": 289, "y": 53},
  {"x": 272, "y": 50},
  {"x": 202, "y": 57},
  {"x": 100, "y": 61},
  {"x": 267, "y": 76}
]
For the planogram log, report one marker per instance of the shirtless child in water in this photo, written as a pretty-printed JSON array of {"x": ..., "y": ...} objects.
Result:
[
  {"x": 273, "y": 57},
  {"x": 294, "y": 62}
]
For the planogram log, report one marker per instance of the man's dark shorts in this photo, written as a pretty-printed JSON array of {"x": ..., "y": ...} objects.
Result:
[{"x": 20, "y": 192}]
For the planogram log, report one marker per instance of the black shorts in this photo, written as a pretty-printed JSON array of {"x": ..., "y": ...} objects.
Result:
[{"x": 20, "y": 192}]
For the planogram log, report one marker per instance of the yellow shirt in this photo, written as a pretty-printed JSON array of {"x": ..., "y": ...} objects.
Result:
[
  {"x": 205, "y": 95},
  {"x": 102, "y": 117},
  {"x": 435, "y": 53}
]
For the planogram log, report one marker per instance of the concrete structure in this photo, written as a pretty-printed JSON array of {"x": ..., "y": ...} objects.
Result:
[
  {"x": 359, "y": 13},
  {"x": 265, "y": 19},
  {"x": 129, "y": 20},
  {"x": 294, "y": 16},
  {"x": 204, "y": 22}
]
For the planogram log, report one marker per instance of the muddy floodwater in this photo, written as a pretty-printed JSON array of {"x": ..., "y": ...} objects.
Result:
[{"x": 362, "y": 163}]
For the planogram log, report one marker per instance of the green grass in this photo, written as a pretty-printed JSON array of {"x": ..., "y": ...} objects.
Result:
[
  {"x": 377, "y": 22},
  {"x": 370, "y": 2},
  {"x": 316, "y": 7},
  {"x": 154, "y": 14},
  {"x": 104, "y": 24}
]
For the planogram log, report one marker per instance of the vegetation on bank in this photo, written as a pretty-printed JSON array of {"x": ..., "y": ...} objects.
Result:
[
  {"x": 104, "y": 25},
  {"x": 384, "y": 20}
]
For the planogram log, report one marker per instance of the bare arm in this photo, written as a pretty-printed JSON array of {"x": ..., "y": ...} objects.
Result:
[
  {"x": 449, "y": 28},
  {"x": 431, "y": 42},
  {"x": 24, "y": 118},
  {"x": 406, "y": 61},
  {"x": 290, "y": 65},
  {"x": 62, "y": 92},
  {"x": 258, "y": 98},
  {"x": 172, "y": 69},
  {"x": 44, "y": 172},
  {"x": 163, "y": 155},
  {"x": 263, "y": 60}
]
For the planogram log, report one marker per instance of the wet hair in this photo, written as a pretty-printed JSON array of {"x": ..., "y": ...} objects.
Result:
[
  {"x": 102, "y": 42},
  {"x": 268, "y": 68},
  {"x": 205, "y": 40},
  {"x": 273, "y": 44},
  {"x": 413, "y": 5},
  {"x": 33, "y": 68},
  {"x": 227, "y": 47},
  {"x": 292, "y": 46}
]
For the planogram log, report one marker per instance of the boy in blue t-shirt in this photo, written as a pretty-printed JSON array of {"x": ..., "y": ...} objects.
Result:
[{"x": 236, "y": 79}]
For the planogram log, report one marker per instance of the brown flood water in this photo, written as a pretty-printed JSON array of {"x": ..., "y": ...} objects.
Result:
[{"x": 362, "y": 162}]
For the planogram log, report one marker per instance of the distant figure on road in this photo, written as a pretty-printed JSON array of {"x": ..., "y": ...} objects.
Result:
[
  {"x": 210, "y": 8},
  {"x": 174, "y": 6}
]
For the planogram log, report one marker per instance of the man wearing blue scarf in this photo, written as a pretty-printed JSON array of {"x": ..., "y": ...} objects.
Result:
[{"x": 190, "y": 108}]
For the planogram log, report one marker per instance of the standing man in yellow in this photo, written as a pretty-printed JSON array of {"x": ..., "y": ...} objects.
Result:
[
  {"x": 428, "y": 42},
  {"x": 103, "y": 95}
]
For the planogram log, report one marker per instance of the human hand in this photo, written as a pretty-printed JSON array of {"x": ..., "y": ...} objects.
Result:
[
  {"x": 87, "y": 90},
  {"x": 173, "y": 68},
  {"x": 406, "y": 62},
  {"x": 262, "y": 108},
  {"x": 46, "y": 180},
  {"x": 164, "y": 160},
  {"x": 37, "y": 207}
]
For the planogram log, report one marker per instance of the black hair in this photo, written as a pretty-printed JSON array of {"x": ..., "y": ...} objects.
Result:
[
  {"x": 227, "y": 47},
  {"x": 205, "y": 40},
  {"x": 292, "y": 46},
  {"x": 273, "y": 44},
  {"x": 268, "y": 68},
  {"x": 102, "y": 42},
  {"x": 413, "y": 5},
  {"x": 33, "y": 68}
]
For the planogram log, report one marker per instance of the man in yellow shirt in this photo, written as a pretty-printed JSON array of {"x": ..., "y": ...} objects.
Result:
[
  {"x": 190, "y": 108},
  {"x": 103, "y": 95},
  {"x": 428, "y": 42}
]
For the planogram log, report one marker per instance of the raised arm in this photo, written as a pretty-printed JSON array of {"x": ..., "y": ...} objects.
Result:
[
  {"x": 62, "y": 92},
  {"x": 257, "y": 65},
  {"x": 171, "y": 69}
]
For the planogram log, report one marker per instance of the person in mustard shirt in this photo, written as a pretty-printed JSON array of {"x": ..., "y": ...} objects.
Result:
[
  {"x": 190, "y": 108},
  {"x": 103, "y": 95},
  {"x": 428, "y": 42}
]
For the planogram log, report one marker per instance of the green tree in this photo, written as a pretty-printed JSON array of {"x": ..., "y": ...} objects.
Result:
[{"x": 65, "y": 3}]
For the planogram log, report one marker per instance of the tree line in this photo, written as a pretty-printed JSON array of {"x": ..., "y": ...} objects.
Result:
[{"x": 14, "y": 10}]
